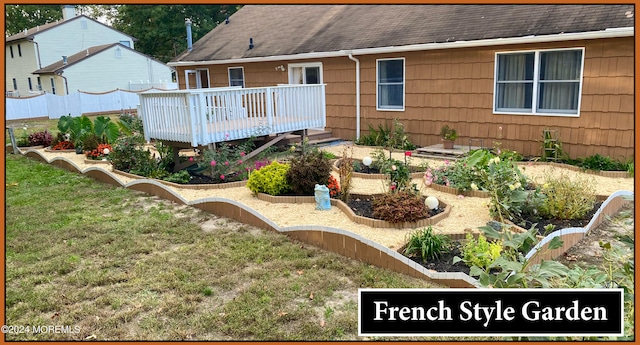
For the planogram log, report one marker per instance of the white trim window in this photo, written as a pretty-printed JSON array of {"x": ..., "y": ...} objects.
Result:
[
  {"x": 197, "y": 79},
  {"x": 539, "y": 82},
  {"x": 118, "y": 53},
  {"x": 236, "y": 76},
  {"x": 305, "y": 73},
  {"x": 390, "y": 84}
]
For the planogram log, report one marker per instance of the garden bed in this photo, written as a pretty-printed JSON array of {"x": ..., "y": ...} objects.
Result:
[
  {"x": 375, "y": 174},
  {"x": 346, "y": 209}
]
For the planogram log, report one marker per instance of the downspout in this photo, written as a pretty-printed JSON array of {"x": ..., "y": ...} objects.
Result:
[
  {"x": 357, "y": 93},
  {"x": 66, "y": 85},
  {"x": 38, "y": 54}
]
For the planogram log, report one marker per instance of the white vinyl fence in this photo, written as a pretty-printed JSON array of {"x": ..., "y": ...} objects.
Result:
[{"x": 76, "y": 104}]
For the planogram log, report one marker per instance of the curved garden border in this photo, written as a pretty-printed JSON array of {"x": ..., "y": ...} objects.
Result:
[
  {"x": 374, "y": 223},
  {"x": 614, "y": 174},
  {"x": 571, "y": 236},
  {"x": 340, "y": 241},
  {"x": 454, "y": 191}
]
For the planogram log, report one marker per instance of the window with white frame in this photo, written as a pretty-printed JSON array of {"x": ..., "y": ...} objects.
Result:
[
  {"x": 118, "y": 53},
  {"x": 305, "y": 73},
  {"x": 540, "y": 82},
  {"x": 19, "y": 50},
  {"x": 126, "y": 43},
  {"x": 11, "y": 51},
  {"x": 236, "y": 76},
  {"x": 390, "y": 84}
]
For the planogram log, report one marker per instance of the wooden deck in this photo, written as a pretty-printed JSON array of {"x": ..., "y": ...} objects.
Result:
[{"x": 205, "y": 116}]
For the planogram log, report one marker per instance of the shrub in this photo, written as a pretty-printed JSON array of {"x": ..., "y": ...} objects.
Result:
[
  {"x": 181, "y": 176},
  {"x": 603, "y": 163},
  {"x": 384, "y": 136},
  {"x": 40, "y": 138},
  {"x": 402, "y": 206},
  {"x": 224, "y": 163},
  {"x": 307, "y": 171},
  {"x": 271, "y": 179},
  {"x": 130, "y": 124},
  {"x": 90, "y": 142},
  {"x": 567, "y": 198},
  {"x": 426, "y": 245},
  {"x": 480, "y": 253},
  {"x": 128, "y": 155}
]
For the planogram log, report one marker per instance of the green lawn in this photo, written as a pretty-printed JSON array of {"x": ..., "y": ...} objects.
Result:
[{"x": 121, "y": 265}]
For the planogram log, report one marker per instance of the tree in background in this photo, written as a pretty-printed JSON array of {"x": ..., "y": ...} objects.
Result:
[
  {"x": 17, "y": 18},
  {"x": 160, "y": 29}
]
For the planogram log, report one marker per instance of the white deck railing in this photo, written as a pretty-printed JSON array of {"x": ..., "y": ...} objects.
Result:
[{"x": 205, "y": 116}]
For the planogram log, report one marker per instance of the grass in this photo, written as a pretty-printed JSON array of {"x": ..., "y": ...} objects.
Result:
[{"x": 121, "y": 265}]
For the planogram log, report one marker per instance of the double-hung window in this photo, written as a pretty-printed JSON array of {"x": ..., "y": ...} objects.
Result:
[
  {"x": 390, "y": 84},
  {"x": 236, "y": 76},
  {"x": 540, "y": 82}
]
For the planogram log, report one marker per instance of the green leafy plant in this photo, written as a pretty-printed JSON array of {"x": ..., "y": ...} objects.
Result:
[
  {"x": 384, "y": 136},
  {"x": 479, "y": 252},
  {"x": 106, "y": 130},
  {"x": 270, "y": 179},
  {"x": 427, "y": 245},
  {"x": 181, "y": 177},
  {"x": 506, "y": 185},
  {"x": 308, "y": 170},
  {"x": 448, "y": 133},
  {"x": 402, "y": 206},
  {"x": 567, "y": 197},
  {"x": 90, "y": 142},
  {"x": 130, "y": 124},
  {"x": 604, "y": 163}
]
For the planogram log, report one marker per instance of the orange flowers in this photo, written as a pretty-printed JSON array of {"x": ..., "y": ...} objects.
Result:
[
  {"x": 101, "y": 151},
  {"x": 334, "y": 188},
  {"x": 63, "y": 145}
]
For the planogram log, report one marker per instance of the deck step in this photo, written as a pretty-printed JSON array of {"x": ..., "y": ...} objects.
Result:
[{"x": 439, "y": 152}]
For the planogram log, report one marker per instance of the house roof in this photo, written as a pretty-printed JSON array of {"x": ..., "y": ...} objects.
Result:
[
  {"x": 29, "y": 34},
  {"x": 83, "y": 55},
  {"x": 283, "y": 30}
]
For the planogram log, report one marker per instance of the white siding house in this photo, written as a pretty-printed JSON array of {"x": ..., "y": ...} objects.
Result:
[
  {"x": 40, "y": 48},
  {"x": 103, "y": 68}
]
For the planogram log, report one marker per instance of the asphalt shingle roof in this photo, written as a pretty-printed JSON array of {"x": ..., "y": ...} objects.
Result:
[{"x": 295, "y": 29}]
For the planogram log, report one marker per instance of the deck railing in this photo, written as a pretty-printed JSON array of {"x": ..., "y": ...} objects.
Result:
[{"x": 204, "y": 116}]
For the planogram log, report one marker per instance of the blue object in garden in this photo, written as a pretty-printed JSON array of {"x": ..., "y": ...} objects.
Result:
[{"x": 323, "y": 201}]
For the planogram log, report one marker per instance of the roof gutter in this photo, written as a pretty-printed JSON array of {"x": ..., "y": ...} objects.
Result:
[{"x": 608, "y": 33}]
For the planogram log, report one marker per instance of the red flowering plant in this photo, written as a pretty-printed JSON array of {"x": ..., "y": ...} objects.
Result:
[
  {"x": 63, "y": 145},
  {"x": 334, "y": 188},
  {"x": 101, "y": 152}
]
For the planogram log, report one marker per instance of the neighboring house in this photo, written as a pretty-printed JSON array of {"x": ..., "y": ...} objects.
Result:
[
  {"x": 40, "y": 47},
  {"x": 102, "y": 68},
  {"x": 477, "y": 68}
]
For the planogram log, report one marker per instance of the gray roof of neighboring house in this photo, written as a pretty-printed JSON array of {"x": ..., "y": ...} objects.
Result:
[
  {"x": 84, "y": 55},
  {"x": 30, "y": 33},
  {"x": 295, "y": 29}
]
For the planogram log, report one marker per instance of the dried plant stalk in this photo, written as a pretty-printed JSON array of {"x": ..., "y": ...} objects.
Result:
[{"x": 346, "y": 172}]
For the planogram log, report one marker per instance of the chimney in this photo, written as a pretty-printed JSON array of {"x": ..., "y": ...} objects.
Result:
[
  {"x": 189, "y": 38},
  {"x": 64, "y": 60},
  {"x": 68, "y": 12}
]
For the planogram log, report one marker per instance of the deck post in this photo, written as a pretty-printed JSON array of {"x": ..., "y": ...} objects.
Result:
[{"x": 269, "y": 106}]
